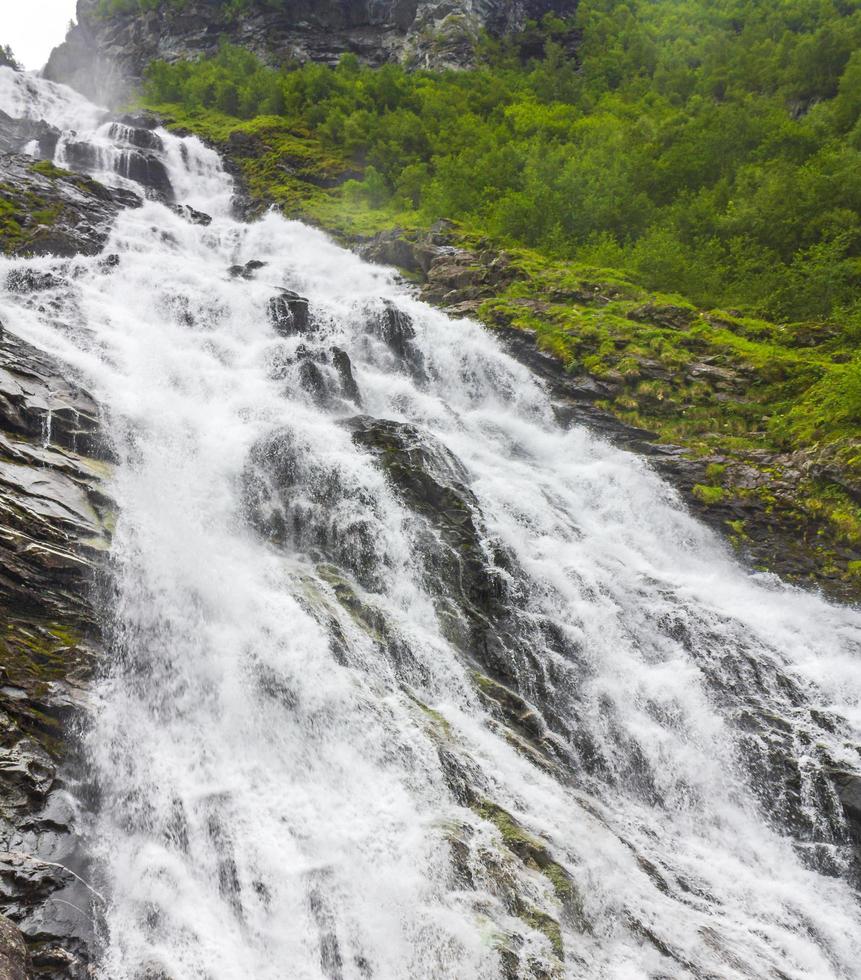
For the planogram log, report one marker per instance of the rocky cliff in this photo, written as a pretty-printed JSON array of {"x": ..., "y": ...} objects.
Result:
[
  {"x": 103, "y": 55},
  {"x": 54, "y": 519}
]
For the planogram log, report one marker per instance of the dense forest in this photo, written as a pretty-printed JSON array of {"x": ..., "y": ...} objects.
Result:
[{"x": 710, "y": 149}]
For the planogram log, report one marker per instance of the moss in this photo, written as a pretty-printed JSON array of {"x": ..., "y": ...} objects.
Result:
[
  {"x": 709, "y": 495},
  {"x": 34, "y": 655},
  {"x": 546, "y": 924},
  {"x": 532, "y": 852},
  {"x": 439, "y": 724},
  {"x": 47, "y": 169}
]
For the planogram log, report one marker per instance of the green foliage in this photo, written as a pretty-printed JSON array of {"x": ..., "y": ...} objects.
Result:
[
  {"x": 710, "y": 148},
  {"x": 709, "y": 495}
]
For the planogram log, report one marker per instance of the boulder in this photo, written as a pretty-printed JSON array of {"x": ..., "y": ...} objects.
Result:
[
  {"x": 344, "y": 367},
  {"x": 674, "y": 317},
  {"x": 288, "y": 313},
  {"x": 192, "y": 216},
  {"x": 247, "y": 271},
  {"x": 395, "y": 329}
]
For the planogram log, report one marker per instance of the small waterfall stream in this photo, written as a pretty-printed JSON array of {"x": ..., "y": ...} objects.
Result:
[{"x": 405, "y": 681}]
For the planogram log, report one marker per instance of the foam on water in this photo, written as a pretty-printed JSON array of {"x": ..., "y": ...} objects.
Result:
[{"x": 277, "y": 797}]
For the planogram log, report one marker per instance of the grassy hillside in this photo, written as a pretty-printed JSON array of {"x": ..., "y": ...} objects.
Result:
[{"x": 708, "y": 155}]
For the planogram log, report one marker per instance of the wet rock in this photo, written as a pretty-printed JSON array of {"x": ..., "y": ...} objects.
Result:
[
  {"x": 140, "y": 137},
  {"x": 16, "y": 134},
  {"x": 192, "y": 216},
  {"x": 27, "y": 280},
  {"x": 14, "y": 959},
  {"x": 434, "y": 485},
  {"x": 76, "y": 213},
  {"x": 145, "y": 168},
  {"x": 37, "y": 401},
  {"x": 140, "y": 120},
  {"x": 246, "y": 271},
  {"x": 395, "y": 329},
  {"x": 53, "y": 538},
  {"x": 349, "y": 388},
  {"x": 326, "y": 375},
  {"x": 848, "y": 786},
  {"x": 312, "y": 378},
  {"x": 306, "y": 503},
  {"x": 288, "y": 313}
]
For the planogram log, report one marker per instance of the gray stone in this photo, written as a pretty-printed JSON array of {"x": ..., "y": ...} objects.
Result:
[
  {"x": 104, "y": 57},
  {"x": 14, "y": 961}
]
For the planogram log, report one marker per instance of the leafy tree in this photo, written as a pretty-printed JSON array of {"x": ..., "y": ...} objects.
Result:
[{"x": 711, "y": 147}]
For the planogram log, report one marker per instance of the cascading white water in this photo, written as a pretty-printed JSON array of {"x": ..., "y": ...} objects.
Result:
[{"x": 295, "y": 787}]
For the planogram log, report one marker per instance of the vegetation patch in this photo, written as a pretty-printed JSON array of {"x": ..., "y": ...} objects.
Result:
[{"x": 710, "y": 150}]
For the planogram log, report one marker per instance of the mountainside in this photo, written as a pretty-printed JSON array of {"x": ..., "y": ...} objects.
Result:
[
  {"x": 403, "y": 675},
  {"x": 691, "y": 261},
  {"x": 361, "y": 610},
  {"x": 115, "y": 40}
]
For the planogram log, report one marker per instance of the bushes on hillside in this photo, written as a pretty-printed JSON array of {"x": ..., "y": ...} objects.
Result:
[{"x": 711, "y": 148}]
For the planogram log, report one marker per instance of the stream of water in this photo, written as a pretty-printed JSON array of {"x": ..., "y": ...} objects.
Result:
[{"x": 316, "y": 758}]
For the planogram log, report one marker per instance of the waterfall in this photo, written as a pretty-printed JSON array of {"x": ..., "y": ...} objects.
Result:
[{"x": 404, "y": 680}]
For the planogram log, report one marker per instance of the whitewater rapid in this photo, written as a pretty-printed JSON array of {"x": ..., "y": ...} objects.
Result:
[{"x": 290, "y": 788}]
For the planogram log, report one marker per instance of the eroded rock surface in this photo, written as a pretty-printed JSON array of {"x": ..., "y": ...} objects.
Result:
[
  {"x": 54, "y": 534},
  {"x": 102, "y": 55},
  {"x": 54, "y": 212}
]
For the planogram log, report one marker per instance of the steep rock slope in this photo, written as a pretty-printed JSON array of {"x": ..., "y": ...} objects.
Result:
[
  {"x": 54, "y": 531},
  {"x": 104, "y": 54}
]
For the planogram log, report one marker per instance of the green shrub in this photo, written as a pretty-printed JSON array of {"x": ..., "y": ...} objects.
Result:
[{"x": 708, "y": 148}]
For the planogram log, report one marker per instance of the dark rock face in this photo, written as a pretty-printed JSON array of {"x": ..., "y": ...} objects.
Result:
[
  {"x": 306, "y": 505},
  {"x": 54, "y": 537},
  {"x": 56, "y": 213},
  {"x": 102, "y": 55},
  {"x": 14, "y": 961},
  {"x": 191, "y": 215},
  {"x": 143, "y": 167},
  {"x": 15, "y": 134},
  {"x": 288, "y": 313},
  {"x": 53, "y": 540}
]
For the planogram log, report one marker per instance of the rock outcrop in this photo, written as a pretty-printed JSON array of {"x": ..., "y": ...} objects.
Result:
[
  {"x": 54, "y": 535},
  {"x": 54, "y": 519},
  {"x": 103, "y": 55},
  {"x": 54, "y": 212},
  {"x": 759, "y": 504}
]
